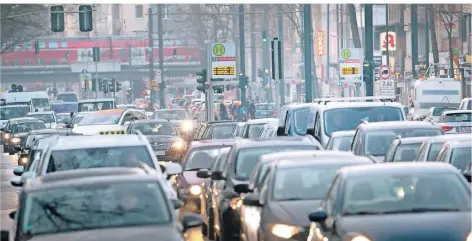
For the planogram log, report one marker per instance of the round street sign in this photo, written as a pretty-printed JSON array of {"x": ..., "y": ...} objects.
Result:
[
  {"x": 219, "y": 50},
  {"x": 346, "y": 54},
  {"x": 384, "y": 72},
  {"x": 84, "y": 71}
]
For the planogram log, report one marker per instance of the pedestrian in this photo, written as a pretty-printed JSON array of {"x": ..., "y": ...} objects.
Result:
[
  {"x": 252, "y": 109},
  {"x": 223, "y": 111}
]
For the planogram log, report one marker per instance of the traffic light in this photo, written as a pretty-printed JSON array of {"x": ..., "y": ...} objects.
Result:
[
  {"x": 117, "y": 86},
  {"x": 14, "y": 88},
  {"x": 111, "y": 86},
  {"x": 202, "y": 80},
  {"x": 103, "y": 86},
  {"x": 19, "y": 88},
  {"x": 94, "y": 84},
  {"x": 218, "y": 89},
  {"x": 85, "y": 18},
  {"x": 36, "y": 47},
  {"x": 96, "y": 54},
  {"x": 57, "y": 18},
  {"x": 366, "y": 73},
  {"x": 174, "y": 53},
  {"x": 264, "y": 36},
  {"x": 243, "y": 81}
]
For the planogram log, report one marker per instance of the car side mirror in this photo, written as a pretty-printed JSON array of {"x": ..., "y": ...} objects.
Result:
[
  {"x": 217, "y": 175},
  {"x": 12, "y": 214},
  {"x": 281, "y": 131},
  {"x": 203, "y": 173},
  {"x": 4, "y": 235},
  {"x": 16, "y": 182},
  {"x": 318, "y": 216},
  {"x": 191, "y": 221},
  {"x": 18, "y": 171},
  {"x": 467, "y": 176},
  {"x": 17, "y": 148},
  {"x": 252, "y": 199},
  {"x": 2, "y": 129},
  {"x": 177, "y": 203},
  {"x": 242, "y": 188},
  {"x": 173, "y": 168}
]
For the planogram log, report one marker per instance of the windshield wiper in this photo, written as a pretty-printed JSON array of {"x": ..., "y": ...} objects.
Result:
[
  {"x": 291, "y": 199},
  {"x": 423, "y": 210},
  {"x": 195, "y": 169},
  {"x": 361, "y": 213}
]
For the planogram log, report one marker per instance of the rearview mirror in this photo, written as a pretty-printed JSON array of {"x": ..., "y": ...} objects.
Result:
[
  {"x": 252, "y": 199},
  {"x": 203, "y": 173},
  {"x": 191, "y": 221},
  {"x": 242, "y": 188},
  {"x": 16, "y": 182},
  {"x": 217, "y": 175},
  {"x": 173, "y": 168},
  {"x": 18, "y": 171},
  {"x": 318, "y": 216}
]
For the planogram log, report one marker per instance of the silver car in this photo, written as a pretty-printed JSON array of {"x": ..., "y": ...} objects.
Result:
[{"x": 456, "y": 121}]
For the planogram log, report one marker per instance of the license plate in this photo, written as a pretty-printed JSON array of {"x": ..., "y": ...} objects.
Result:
[
  {"x": 160, "y": 153},
  {"x": 464, "y": 129}
]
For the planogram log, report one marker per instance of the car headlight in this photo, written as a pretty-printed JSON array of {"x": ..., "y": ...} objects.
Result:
[
  {"x": 187, "y": 126},
  {"x": 236, "y": 203},
  {"x": 179, "y": 145},
  {"x": 6, "y": 136},
  {"x": 469, "y": 237},
  {"x": 195, "y": 190},
  {"x": 360, "y": 238},
  {"x": 23, "y": 160},
  {"x": 15, "y": 140},
  {"x": 284, "y": 231}
]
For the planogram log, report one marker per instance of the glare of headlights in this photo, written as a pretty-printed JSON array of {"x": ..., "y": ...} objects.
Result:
[
  {"x": 284, "y": 231},
  {"x": 15, "y": 140},
  {"x": 236, "y": 203},
  {"x": 23, "y": 160},
  {"x": 195, "y": 190},
  {"x": 6, "y": 136},
  {"x": 187, "y": 126},
  {"x": 360, "y": 238},
  {"x": 178, "y": 144},
  {"x": 469, "y": 237}
]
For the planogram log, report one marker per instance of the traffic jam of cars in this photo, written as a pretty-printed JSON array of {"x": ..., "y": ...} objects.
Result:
[{"x": 353, "y": 169}]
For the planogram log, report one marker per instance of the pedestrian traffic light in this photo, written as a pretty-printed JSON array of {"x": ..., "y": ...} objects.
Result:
[
  {"x": 201, "y": 79},
  {"x": 111, "y": 86},
  {"x": 174, "y": 53},
  {"x": 366, "y": 73},
  {"x": 85, "y": 18},
  {"x": 117, "y": 86},
  {"x": 218, "y": 89},
  {"x": 14, "y": 88},
  {"x": 96, "y": 54},
  {"x": 19, "y": 88},
  {"x": 103, "y": 86},
  {"x": 264, "y": 36},
  {"x": 243, "y": 81},
  {"x": 57, "y": 18}
]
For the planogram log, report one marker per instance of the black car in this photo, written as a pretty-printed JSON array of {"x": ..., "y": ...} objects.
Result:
[
  {"x": 16, "y": 131},
  {"x": 108, "y": 204},
  {"x": 163, "y": 137},
  {"x": 242, "y": 159},
  {"x": 395, "y": 201},
  {"x": 292, "y": 186}
]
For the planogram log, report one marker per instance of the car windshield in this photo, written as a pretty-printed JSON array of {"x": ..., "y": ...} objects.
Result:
[
  {"x": 346, "y": 119},
  {"x": 156, "y": 128},
  {"x": 378, "y": 142},
  {"x": 254, "y": 130},
  {"x": 40, "y": 102},
  {"x": 301, "y": 120},
  {"x": 458, "y": 117},
  {"x": 63, "y": 118},
  {"x": 171, "y": 114},
  {"x": 434, "y": 151},
  {"x": 10, "y": 112},
  {"x": 46, "y": 118},
  {"x": 122, "y": 156},
  {"x": 95, "y": 106},
  {"x": 461, "y": 157},
  {"x": 64, "y": 107},
  {"x": 70, "y": 97},
  {"x": 202, "y": 158},
  {"x": 405, "y": 193},
  {"x": 247, "y": 159},
  {"x": 342, "y": 143},
  {"x": 406, "y": 152},
  {"x": 305, "y": 182},
  {"x": 439, "y": 111},
  {"x": 222, "y": 131},
  {"x": 26, "y": 127},
  {"x": 94, "y": 206},
  {"x": 100, "y": 119}
]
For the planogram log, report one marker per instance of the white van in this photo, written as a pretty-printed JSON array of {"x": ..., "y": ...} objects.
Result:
[{"x": 38, "y": 100}]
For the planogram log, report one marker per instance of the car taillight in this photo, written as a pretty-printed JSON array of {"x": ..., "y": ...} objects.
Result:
[{"x": 446, "y": 128}]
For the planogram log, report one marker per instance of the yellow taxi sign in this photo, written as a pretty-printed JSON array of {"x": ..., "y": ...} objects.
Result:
[{"x": 112, "y": 132}]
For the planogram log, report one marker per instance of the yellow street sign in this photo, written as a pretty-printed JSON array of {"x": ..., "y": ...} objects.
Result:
[
  {"x": 223, "y": 70},
  {"x": 153, "y": 83},
  {"x": 350, "y": 71},
  {"x": 346, "y": 54},
  {"x": 219, "y": 49}
]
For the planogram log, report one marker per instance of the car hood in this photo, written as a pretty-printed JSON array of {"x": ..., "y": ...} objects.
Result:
[
  {"x": 410, "y": 226},
  {"x": 160, "y": 138},
  {"x": 294, "y": 212},
  {"x": 21, "y": 134},
  {"x": 96, "y": 129},
  {"x": 147, "y": 233}
]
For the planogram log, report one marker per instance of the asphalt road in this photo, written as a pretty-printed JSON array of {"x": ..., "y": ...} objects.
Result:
[{"x": 8, "y": 195}]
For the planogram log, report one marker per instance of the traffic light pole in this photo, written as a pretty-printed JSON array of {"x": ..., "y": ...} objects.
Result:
[
  {"x": 242, "y": 53},
  {"x": 151, "y": 55},
  {"x": 162, "y": 84},
  {"x": 280, "y": 20},
  {"x": 369, "y": 50},
  {"x": 307, "y": 31},
  {"x": 209, "y": 93}
]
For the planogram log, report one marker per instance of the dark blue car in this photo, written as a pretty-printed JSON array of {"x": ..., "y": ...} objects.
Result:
[{"x": 293, "y": 119}]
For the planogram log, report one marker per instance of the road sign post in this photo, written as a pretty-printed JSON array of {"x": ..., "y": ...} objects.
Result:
[
  {"x": 351, "y": 65},
  {"x": 223, "y": 61},
  {"x": 276, "y": 69},
  {"x": 384, "y": 72},
  {"x": 387, "y": 86}
]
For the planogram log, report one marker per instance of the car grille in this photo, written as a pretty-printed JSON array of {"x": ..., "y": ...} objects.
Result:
[{"x": 159, "y": 146}]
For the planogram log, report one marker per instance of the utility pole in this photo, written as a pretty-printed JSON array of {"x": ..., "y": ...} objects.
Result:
[
  {"x": 151, "y": 55},
  {"x": 414, "y": 38},
  {"x": 307, "y": 35},
  {"x": 162, "y": 84},
  {"x": 242, "y": 53},
  {"x": 280, "y": 22},
  {"x": 253, "y": 46},
  {"x": 265, "y": 52},
  {"x": 369, "y": 49}
]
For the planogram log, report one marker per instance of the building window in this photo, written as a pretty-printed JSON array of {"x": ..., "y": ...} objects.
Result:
[
  {"x": 165, "y": 11},
  {"x": 138, "y": 11},
  {"x": 28, "y": 62},
  {"x": 16, "y": 63}
]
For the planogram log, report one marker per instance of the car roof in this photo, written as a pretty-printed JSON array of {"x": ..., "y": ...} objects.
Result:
[
  {"x": 40, "y": 113},
  {"x": 460, "y": 144},
  {"x": 389, "y": 125},
  {"x": 150, "y": 121},
  {"x": 412, "y": 140},
  {"x": 22, "y": 119},
  {"x": 80, "y": 142},
  {"x": 5, "y": 106},
  {"x": 322, "y": 160},
  {"x": 343, "y": 133},
  {"x": 49, "y": 131},
  {"x": 222, "y": 122},
  {"x": 109, "y": 111},
  {"x": 445, "y": 138},
  {"x": 277, "y": 141},
  {"x": 345, "y": 105},
  {"x": 212, "y": 142},
  {"x": 306, "y": 153},
  {"x": 95, "y": 100},
  {"x": 262, "y": 121},
  {"x": 457, "y": 112},
  {"x": 90, "y": 176},
  {"x": 179, "y": 109},
  {"x": 397, "y": 168}
]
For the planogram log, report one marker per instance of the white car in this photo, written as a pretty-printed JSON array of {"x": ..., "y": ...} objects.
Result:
[
  {"x": 108, "y": 120},
  {"x": 49, "y": 118}
]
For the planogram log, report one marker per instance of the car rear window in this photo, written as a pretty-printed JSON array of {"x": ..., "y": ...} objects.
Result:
[{"x": 458, "y": 117}]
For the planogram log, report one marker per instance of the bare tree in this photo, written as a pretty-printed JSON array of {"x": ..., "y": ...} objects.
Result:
[
  {"x": 21, "y": 23},
  {"x": 449, "y": 19}
]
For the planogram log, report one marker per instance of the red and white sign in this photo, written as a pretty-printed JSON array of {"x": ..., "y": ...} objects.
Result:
[
  {"x": 320, "y": 43},
  {"x": 391, "y": 43},
  {"x": 384, "y": 72}
]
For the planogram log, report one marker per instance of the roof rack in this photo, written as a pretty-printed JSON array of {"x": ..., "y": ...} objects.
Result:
[{"x": 324, "y": 101}]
